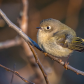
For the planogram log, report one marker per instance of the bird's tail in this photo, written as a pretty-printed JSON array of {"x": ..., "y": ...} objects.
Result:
[{"x": 77, "y": 44}]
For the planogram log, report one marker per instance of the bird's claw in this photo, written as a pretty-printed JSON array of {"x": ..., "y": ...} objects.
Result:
[
  {"x": 45, "y": 54},
  {"x": 65, "y": 65}
]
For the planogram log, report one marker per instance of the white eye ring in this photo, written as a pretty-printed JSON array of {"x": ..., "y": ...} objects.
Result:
[{"x": 49, "y": 27}]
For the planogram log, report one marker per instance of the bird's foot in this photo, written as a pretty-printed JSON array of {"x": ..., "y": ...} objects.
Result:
[
  {"x": 65, "y": 65},
  {"x": 45, "y": 54}
]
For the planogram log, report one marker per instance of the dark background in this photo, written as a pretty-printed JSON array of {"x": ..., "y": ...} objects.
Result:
[{"x": 70, "y": 12}]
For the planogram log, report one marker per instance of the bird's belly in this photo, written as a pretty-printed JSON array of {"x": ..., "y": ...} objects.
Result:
[{"x": 56, "y": 50}]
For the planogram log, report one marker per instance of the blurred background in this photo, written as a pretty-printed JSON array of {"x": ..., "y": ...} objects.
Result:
[{"x": 20, "y": 58}]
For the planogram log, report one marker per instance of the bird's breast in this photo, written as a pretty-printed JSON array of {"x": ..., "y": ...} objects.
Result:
[{"x": 50, "y": 46}]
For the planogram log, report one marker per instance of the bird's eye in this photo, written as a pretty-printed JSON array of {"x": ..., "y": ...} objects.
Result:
[{"x": 48, "y": 27}]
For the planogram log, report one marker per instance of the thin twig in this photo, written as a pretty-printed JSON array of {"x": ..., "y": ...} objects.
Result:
[
  {"x": 16, "y": 73},
  {"x": 12, "y": 74},
  {"x": 27, "y": 39},
  {"x": 39, "y": 63}
]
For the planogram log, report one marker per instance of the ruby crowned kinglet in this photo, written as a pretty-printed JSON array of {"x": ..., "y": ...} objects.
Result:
[{"x": 57, "y": 38}]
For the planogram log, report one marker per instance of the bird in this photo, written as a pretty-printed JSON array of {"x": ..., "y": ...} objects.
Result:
[{"x": 58, "y": 39}]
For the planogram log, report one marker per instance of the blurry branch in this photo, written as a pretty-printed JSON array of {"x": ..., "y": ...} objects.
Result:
[
  {"x": 10, "y": 43},
  {"x": 16, "y": 73},
  {"x": 24, "y": 26},
  {"x": 27, "y": 39},
  {"x": 24, "y": 18}
]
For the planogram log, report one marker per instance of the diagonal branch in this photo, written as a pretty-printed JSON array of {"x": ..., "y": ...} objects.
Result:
[
  {"x": 16, "y": 73},
  {"x": 39, "y": 63},
  {"x": 27, "y": 39},
  {"x": 18, "y": 30}
]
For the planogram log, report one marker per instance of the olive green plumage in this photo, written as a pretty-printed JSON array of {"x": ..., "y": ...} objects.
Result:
[
  {"x": 57, "y": 38},
  {"x": 77, "y": 44}
]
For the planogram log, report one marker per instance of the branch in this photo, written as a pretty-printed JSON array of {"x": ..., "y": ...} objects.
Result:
[
  {"x": 19, "y": 31},
  {"x": 24, "y": 26},
  {"x": 16, "y": 73},
  {"x": 10, "y": 43},
  {"x": 24, "y": 20},
  {"x": 12, "y": 74},
  {"x": 27, "y": 39},
  {"x": 39, "y": 63}
]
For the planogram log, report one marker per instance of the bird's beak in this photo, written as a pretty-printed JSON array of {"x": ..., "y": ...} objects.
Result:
[{"x": 38, "y": 27}]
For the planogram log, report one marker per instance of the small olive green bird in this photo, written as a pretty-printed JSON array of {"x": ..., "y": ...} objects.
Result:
[{"x": 58, "y": 39}]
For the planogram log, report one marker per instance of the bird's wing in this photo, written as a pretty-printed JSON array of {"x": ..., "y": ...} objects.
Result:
[
  {"x": 68, "y": 41},
  {"x": 63, "y": 38},
  {"x": 60, "y": 39},
  {"x": 77, "y": 44}
]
